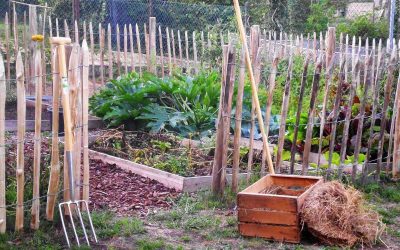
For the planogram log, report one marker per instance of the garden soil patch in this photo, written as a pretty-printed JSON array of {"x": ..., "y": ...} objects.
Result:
[
  {"x": 159, "y": 150},
  {"x": 126, "y": 193}
]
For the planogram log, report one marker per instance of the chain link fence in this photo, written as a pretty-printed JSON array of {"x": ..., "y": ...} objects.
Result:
[{"x": 295, "y": 16}]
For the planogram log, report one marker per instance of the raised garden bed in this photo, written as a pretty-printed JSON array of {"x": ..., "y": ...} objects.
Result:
[
  {"x": 270, "y": 207},
  {"x": 181, "y": 164}
]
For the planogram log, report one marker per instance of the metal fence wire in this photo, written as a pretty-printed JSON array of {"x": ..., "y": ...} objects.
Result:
[{"x": 280, "y": 15}]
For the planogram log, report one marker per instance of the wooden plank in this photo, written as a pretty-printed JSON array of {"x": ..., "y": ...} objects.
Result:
[
  {"x": 118, "y": 51},
  {"x": 268, "y": 217},
  {"x": 266, "y": 201},
  {"x": 238, "y": 124},
  {"x": 275, "y": 232},
  {"x": 311, "y": 113},
  {"x": 21, "y": 106},
  {"x": 169, "y": 52},
  {"x": 54, "y": 179},
  {"x": 197, "y": 183},
  {"x": 162, "y": 51},
  {"x": 168, "y": 179},
  {"x": 387, "y": 95},
  {"x": 126, "y": 49},
  {"x": 37, "y": 142},
  {"x": 92, "y": 55},
  {"x": 139, "y": 48},
  {"x": 101, "y": 41},
  {"x": 3, "y": 217},
  {"x": 299, "y": 110},
  {"x": 152, "y": 45},
  {"x": 110, "y": 52},
  {"x": 131, "y": 48},
  {"x": 85, "y": 120}
]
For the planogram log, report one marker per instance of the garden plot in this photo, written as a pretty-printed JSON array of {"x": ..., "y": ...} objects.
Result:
[{"x": 182, "y": 164}]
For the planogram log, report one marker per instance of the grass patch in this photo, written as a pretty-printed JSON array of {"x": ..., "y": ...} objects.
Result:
[
  {"x": 150, "y": 244},
  {"x": 107, "y": 225},
  {"x": 394, "y": 232},
  {"x": 186, "y": 238},
  {"x": 386, "y": 191},
  {"x": 389, "y": 215}
]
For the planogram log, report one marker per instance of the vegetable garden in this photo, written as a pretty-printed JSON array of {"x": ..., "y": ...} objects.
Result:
[{"x": 165, "y": 130}]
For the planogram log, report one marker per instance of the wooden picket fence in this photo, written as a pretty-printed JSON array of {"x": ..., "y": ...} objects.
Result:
[
  {"x": 357, "y": 75},
  {"x": 78, "y": 74}
]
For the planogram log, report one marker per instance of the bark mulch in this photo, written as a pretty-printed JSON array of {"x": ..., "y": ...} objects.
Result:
[{"x": 126, "y": 193}]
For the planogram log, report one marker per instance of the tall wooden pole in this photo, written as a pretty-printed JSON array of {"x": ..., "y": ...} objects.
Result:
[{"x": 253, "y": 83}]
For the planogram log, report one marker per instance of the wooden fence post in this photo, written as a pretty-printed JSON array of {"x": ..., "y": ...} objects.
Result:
[
  {"x": 85, "y": 120},
  {"x": 21, "y": 105},
  {"x": 126, "y": 49},
  {"x": 37, "y": 141},
  {"x": 2, "y": 149},
  {"x": 54, "y": 179},
  {"x": 396, "y": 148},
  {"x": 238, "y": 124},
  {"x": 152, "y": 45},
  {"x": 110, "y": 52},
  {"x": 118, "y": 50},
  {"x": 161, "y": 51},
  {"x": 131, "y": 48},
  {"x": 139, "y": 48},
  {"x": 221, "y": 147}
]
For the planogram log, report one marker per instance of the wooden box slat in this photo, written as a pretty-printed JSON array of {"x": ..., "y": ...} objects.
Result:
[
  {"x": 274, "y": 232},
  {"x": 268, "y": 217}
]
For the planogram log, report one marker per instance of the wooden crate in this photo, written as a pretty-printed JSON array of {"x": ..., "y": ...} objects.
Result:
[{"x": 274, "y": 216}]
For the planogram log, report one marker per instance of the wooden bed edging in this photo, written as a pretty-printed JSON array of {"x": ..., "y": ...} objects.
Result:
[{"x": 184, "y": 184}]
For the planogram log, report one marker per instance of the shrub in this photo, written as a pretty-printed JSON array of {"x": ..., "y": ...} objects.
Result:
[
  {"x": 321, "y": 14},
  {"x": 364, "y": 27}
]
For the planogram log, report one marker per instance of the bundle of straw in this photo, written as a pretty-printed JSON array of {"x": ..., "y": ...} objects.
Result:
[{"x": 337, "y": 215}]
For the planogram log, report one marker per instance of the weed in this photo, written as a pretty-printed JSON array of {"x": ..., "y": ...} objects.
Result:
[
  {"x": 200, "y": 222},
  {"x": 231, "y": 221},
  {"x": 387, "y": 191},
  {"x": 229, "y": 232},
  {"x": 186, "y": 238},
  {"x": 150, "y": 244},
  {"x": 394, "y": 232},
  {"x": 128, "y": 226}
]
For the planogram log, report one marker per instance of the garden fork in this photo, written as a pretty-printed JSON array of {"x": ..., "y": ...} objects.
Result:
[{"x": 72, "y": 204}]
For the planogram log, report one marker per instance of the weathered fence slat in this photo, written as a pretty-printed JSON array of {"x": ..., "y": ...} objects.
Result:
[
  {"x": 298, "y": 114},
  {"x": 2, "y": 149},
  {"x": 139, "y": 48},
  {"x": 238, "y": 124},
  {"x": 387, "y": 95},
  {"x": 162, "y": 51},
  {"x": 21, "y": 106},
  {"x": 126, "y": 49},
  {"x": 37, "y": 141},
  {"x": 169, "y": 52},
  {"x": 311, "y": 112},
  {"x": 55, "y": 153},
  {"x": 101, "y": 41},
  {"x": 118, "y": 51},
  {"x": 131, "y": 48},
  {"x": 85, "y": 120}
]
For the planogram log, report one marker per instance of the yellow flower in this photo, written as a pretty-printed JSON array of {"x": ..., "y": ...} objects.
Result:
[{"x": 37, "y": 38}]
